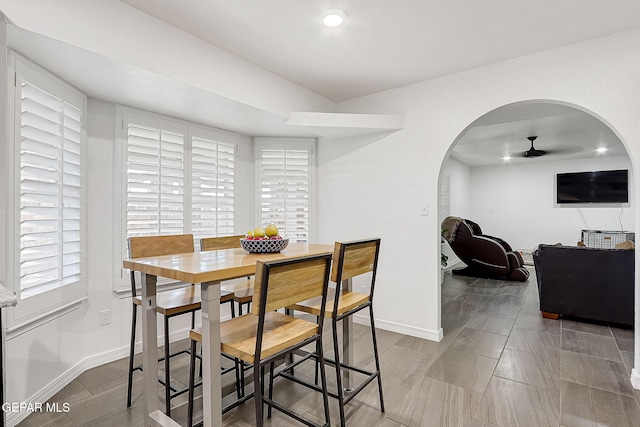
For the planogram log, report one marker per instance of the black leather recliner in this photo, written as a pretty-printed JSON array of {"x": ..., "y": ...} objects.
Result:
[{"x": 485, "y": 256}]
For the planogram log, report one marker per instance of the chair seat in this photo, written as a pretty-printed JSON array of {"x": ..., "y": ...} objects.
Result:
[
  {"x": 238, "y": 335},
  {"x": 242, "y": 289},
  {"x": 182, "y": 300},
  {"x": 347, "y": 301}
]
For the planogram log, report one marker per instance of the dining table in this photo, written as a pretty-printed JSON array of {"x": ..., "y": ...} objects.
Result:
[{"x": 209, "y": 269}]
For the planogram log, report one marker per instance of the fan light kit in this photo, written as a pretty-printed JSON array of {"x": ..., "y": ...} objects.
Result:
[{"x": 532, "y": 152}]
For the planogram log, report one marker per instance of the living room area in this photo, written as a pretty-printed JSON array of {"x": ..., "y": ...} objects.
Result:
[
  {"x": 574, "y": 189},
  {"x": 575, "y": 369}
]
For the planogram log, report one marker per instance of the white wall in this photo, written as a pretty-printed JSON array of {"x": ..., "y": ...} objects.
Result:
[
  {"x": 460, "y": 188},
  {"x": 599, "y": 76},
  {"x": 517, "y": 203}
]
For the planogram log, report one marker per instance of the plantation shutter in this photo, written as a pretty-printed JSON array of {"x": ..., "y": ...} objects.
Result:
[
  {"x": 50, "y": 190},
  {"x": 180, "y": 179},
  {"x": 155, "y": 185},
  {"x": 212, "y": 187},
  {"x": 284, "y": 174}
]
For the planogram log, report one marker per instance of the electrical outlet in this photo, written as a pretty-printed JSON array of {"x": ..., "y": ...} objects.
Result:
[{"x": 105, "y": 317}]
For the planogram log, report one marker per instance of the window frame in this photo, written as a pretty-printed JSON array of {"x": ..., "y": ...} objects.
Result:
[
  {"x": 124, "y": 115},
  {"x": 309, "y": 144},
  {"x": 40, "y": 308}
]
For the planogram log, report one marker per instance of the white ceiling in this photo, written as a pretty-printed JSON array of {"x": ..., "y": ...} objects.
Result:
[
  {"x": 382, "y": 45},
  {"x": 563, "y": 132},
  {"x": 385, "y": 44}
]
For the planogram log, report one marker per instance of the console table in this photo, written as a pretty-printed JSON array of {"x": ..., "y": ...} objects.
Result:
[{"x": 7, "y": 299}]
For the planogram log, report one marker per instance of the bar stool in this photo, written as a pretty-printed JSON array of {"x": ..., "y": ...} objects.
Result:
[
  {"x": 264, "y": 335},
  {"x": 351, "y": 259},
  {"x": 168, "y": 303},
  {"x": 241, "y": 289}
]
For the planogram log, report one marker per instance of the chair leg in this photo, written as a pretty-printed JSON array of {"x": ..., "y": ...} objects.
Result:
[
  {"x": 233, "y": 308},
  {"x": 336, "y": 350},
  {"x": 271, "y": 369},
  {"x": 239, "y": 373},
  {"x": 167, "y": 377},
  {"x": 257, "y": 394},
  {"x": 323, "y": 381},
  {"x": 375, "y": 354},
  {"x": 315, "y": 373},
  {"x": 192, "y": 374},
  {"x": 239, "y": 309},
  {"x": 132, "y": 347}
]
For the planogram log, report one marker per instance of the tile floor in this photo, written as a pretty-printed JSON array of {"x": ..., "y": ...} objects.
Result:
[{"x": 500, "y": 364}]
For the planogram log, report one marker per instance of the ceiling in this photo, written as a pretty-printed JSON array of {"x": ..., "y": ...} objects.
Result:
[
  {"x": 382, "y": 45},
  {"x": 386, "y": 44},
  {"x": 563, "y": 132}
]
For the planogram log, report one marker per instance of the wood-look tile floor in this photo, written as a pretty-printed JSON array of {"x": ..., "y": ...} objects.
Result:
[{"x": 500, "y": 364}]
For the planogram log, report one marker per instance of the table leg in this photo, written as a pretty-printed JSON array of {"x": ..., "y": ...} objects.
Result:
[
  {"x": 149, "y": 347},
  {"x": 153, "y": 417},
  {"x": 211, "y": 381},
  {"x": 347, "y": 347}
]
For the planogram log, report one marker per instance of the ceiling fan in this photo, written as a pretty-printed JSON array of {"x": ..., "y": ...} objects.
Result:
[{"x": 532, "y": 152}]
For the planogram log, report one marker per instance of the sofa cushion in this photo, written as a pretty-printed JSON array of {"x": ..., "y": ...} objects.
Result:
[{"x": 627, "y": 244}]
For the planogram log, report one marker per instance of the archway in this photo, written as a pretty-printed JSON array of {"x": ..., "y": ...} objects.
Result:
[{"x": 514, "y": 199}]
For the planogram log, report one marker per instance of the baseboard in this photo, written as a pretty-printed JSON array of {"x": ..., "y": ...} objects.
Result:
[
  {"x": 426, "y": 334},
  {"x": 635, "y": 379},
  {"x": 47, "y": 392}
]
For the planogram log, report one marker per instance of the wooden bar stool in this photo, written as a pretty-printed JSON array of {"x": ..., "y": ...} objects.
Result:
[
  {"x": 241, "y": 289},
  {"x": 265, "y": 335},
  {"x": 351, "y": 259},
  {"x": 168, "y": 303}
]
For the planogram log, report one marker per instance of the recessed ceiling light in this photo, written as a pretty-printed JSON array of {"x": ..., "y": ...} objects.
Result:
[
  {"x": 601, "y": 150},
  {"x": 334, "y": 17},
  {"x": 506, "y": 158}
]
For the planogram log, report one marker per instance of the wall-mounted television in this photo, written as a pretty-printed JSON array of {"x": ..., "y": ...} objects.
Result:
[{"x": 593, "y": 187}]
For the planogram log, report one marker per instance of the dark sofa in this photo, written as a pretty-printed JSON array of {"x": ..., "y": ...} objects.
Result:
[{"x": 595, "y": 284}]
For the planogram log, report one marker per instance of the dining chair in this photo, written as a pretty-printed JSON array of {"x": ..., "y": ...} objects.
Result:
[
  {"x": 171, "y": 303},
  {"x": 264, "y": 335},
  {"x": 242, "y": 288},
  {"x": 351, "y": 259}
]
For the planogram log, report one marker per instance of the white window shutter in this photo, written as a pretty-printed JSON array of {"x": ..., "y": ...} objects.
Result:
[
  {"x": 212, "y": 187},
  {"x": 180, "y": 179},
  {"x": 50, "y": 191},
  {"x": 284, "y": 174},
  {"x": 155, "y": 181},
  {"x": 50, "y": 199}
]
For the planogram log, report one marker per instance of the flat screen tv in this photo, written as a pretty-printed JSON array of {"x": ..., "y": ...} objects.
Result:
[{"x": 593, "y": 187}]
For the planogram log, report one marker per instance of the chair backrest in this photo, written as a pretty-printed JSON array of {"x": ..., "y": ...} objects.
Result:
[
  {"x": 281, "y": 283},
  {"x": 215, "y": 243},
  {"x": 146, "y": 246},
  {"x": 353, "y": 259}
]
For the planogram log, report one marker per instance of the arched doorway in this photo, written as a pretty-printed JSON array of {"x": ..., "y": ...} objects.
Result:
[{"x": 486, "y": 178}]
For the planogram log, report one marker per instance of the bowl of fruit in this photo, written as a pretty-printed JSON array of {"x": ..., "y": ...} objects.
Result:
[{"x": 264, "y": 241}]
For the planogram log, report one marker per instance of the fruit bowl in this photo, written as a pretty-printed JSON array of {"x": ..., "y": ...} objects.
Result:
[{"x": 264, "y": 246}]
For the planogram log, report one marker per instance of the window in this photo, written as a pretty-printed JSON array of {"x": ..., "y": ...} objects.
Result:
[
  {"x": 180, "y": 178},
  {"x": 47, "y": 215},
  {"x": 284, "y": 171}
]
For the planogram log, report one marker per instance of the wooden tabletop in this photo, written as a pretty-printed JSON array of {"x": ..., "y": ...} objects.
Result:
[{"x": 208, "y": 266}]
